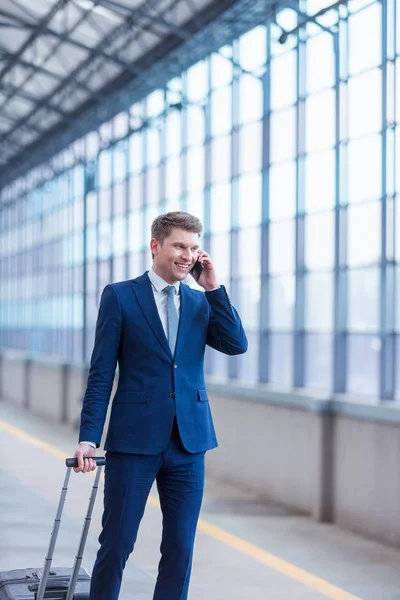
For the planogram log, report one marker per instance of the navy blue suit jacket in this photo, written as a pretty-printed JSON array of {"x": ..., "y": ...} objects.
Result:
[{"x": 154, "y": 386}]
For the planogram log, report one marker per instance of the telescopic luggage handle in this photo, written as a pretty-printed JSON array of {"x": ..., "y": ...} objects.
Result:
[
  {"x": 73, "y": 462},
  {"x": 70, "y": 462}
]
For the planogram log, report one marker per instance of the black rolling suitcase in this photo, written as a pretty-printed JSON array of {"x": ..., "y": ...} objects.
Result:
[{"x": 54, "y": 583}]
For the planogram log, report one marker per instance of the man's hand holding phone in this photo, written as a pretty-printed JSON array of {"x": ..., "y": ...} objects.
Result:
[{"x": 203, "y": 272}]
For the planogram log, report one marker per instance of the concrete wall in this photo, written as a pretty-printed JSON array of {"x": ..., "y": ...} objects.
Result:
[{"x": 332, "y": 458}]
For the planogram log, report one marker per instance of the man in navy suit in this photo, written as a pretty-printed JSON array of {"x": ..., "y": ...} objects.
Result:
[{"x": 160, "y": 427}]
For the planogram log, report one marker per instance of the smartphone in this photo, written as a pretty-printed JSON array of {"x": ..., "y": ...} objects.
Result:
[{"x": 197, "y": 270}]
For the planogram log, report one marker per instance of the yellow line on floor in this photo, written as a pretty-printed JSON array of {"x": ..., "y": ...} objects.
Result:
[{"x": 270, "y": 560}]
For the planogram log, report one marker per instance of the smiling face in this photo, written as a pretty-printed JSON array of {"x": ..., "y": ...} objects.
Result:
[{"x": 176, "y": 255}]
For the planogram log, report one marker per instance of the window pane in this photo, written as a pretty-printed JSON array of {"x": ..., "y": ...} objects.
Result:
[
  {"x": 249, "y": 302},
  {"x": 221, "y": 70},
  {"x": 365, "y": 116},
  {"x": 248, "y": 363},
  {"x": 221, "y": 255},
  {"x": 282, "y": 191},
  {"x": 173, "y": 133},
  {"x": 136, "y": 152},
  {"x": 319, "y": 361},
  {"x": 363, "y": 365},
  {"x": 119, "y": 236},
  {"x": 320, "y": 181},
  {"x": 320, "y": 62},
  {"x": 195, "y": 125},
  {"x": 221, "y": 158},
  {"x": 249, "y": 252},
  {"x": 173, "y": 177},
  {"x": 250, "y": 148},
  {"x": 221, "y": 110},
  {"x": 364, "y": 233},
  {"x": 365, "y": 39},
  {"x": 104, "y": 239},
  {"x": 282, "y": 299},
  {"x": 153, "y": 185},
  {"x": 250, "y": 87},
  {"x": 220, "y": 208},
  {"x": 364, "y": 169},
  {"x": 195, "y": 162},
  {"x": 249, "y": 195},
  {"x": 197, "y": 81},
  {"x": 283, "y": 67},
  {"x": 283, "y": 135},
  {"x": 320, "y": 240},
  {"x": 319, "y": 297},
  {"x": 153, "y": 148},
  {"x": 155, "y": 103},
  {"x": 320, "y": 119},
  {"x": 363, "y": 300},
  {"x": 281, "y": 359},
  {"x": 195, "y": 205},
  {"x": 253, "y": 49},
  {"x": 281, "y": 247}
]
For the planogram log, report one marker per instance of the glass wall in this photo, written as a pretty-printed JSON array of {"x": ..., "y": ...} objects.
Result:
[{"x": 289, "y": 154}]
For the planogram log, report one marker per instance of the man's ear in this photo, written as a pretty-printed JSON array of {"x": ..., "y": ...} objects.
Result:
[{"x": 154, "y": 246}]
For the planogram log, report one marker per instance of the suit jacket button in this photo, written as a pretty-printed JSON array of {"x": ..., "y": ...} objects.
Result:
[
  {"x": 172, "y": 394},
  {"x": 175, "y": 366}
]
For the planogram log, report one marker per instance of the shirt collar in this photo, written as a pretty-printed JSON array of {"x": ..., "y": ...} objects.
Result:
[{"x": 158, "y": 282}]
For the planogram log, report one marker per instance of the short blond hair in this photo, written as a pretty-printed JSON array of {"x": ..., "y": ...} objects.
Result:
[{"x": 163, "y": 224}]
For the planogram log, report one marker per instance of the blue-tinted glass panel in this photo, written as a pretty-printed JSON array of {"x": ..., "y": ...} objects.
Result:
[
  {"x": 364, "y": 233},
  {"x": 320, "y": 181},
  {"x": 320, "y": 240},
  {"x": 319, "y": 297},
  {"x": 221, "y": 158},
  {"x": 136, "y": 152},
  {"x": 105, "y": 241},
  {"x": 250, "y": 87},
  {"x": 363, "y": 300},
  {"x": 119, "y": 160},
  {"x": 248, "y": 363},
  {"x": 153, "y": 185},
  {"x": 104, "y": 204},
  {"x": 283, "y": 68},
  {"x": 253, "y": 49},
  {"x": 91, "y": 242},
  {"x": 281, "y": 247},
  {"x": 364, "y": 169},
  {"x": 282, "y": 299},
  {"x": 249, "y": 302},
  {"x": 173, "y": 133},
  {"x": 220, "y": 221},
  {"x": 135, "y": 231},
  {"x": 153, "y": 146},
  {"x": 220, "y": 252},
  {"x": 365, "y": 103},
  {"x": 221, "y": 70},
  {"x": 249, "y": 196},
  {"x": 197, "y": 81},
  {"x": 281, "y": 359},
  {"x": 283, "y": 135},
  {"x": 119, "y": 236},
  {"x": 195, "y": 125},
  {"x": 105, "y": 168},
  {"x": 195, "y": 169},
  {"x": 249, "y": 252},
  {"x": 363, "y": 365},
  {"x": 195, "y": 205},
  {"x": 221, "y": 111},
  {"x": 365, "y": 39},
  {"x": 91, "y": 208},
  {"x": 250, "y": 148},
  {"x": 155, "y": 103},
  {"x": 320, "y": 62},
  {"x": 135, "y": 192},
  {"x": 320, "y": 119},
  {"x": 319, "y": 361},
  {"x": 282, "y": 191},
  {"x": 173, "y": 177},
  {"x": 217, "y": 365}
]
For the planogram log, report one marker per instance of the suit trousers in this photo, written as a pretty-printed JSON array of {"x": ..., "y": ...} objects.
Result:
[{"x": 128, "y": 480}]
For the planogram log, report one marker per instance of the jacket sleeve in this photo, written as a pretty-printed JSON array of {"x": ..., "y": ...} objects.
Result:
[
  {"x": 102, "y": 366},
  {"x": 225, "y": 331}
]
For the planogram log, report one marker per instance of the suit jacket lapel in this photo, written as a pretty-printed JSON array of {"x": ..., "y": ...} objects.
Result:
[{"x": 144, "y": 294}]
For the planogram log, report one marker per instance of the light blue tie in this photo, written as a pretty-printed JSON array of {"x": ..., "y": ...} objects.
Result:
[{"x": 172, "y": 317}]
